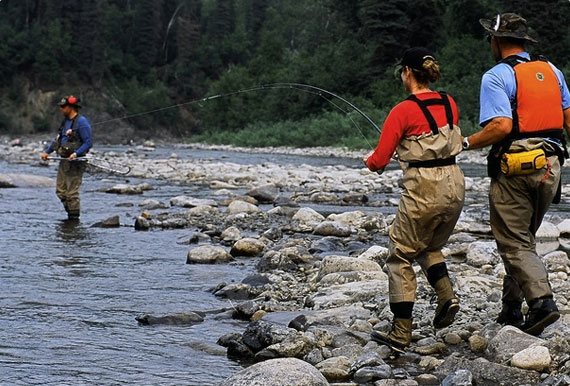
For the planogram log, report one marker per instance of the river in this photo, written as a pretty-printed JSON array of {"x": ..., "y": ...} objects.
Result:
[{"x": 71, "y": 292}]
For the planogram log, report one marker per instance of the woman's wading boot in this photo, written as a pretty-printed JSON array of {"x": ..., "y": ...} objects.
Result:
[
  {"x": 399, "y": 338},
  {"x": 542, "y": 312},
  {"x": 447, "y": 303}
]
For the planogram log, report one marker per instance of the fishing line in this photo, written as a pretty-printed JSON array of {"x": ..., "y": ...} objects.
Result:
[
  {"x": 98, "y": 163},
  {"x": 295, "y": 86}
]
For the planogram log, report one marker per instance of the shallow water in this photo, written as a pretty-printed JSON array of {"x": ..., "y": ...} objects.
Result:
[{"x": 70, "y": 293}]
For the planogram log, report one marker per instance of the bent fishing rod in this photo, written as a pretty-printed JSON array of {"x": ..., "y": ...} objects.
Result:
[{"x": 320, "y": 92}]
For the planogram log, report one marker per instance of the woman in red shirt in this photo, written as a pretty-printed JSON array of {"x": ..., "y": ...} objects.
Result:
[{"x": 423, "y": 131}]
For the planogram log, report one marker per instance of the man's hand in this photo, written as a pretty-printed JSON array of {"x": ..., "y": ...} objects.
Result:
[
  {"x": 72, "y": 156},
  {"x": 45, "y": 156}
]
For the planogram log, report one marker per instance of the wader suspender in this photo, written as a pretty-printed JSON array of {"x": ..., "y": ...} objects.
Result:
[
  {"x": 423, "y": 104},
  {"x": 73, "y": 128}
]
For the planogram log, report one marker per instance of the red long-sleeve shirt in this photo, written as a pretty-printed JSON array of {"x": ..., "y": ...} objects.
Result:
[{"x": 406, "y": 119}]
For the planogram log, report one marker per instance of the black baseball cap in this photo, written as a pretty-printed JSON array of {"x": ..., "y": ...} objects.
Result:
[{"x": 414, "y": 58}]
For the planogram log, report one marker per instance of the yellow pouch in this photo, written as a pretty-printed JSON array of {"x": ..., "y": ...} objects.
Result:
[{"x": 526, "y": 162}]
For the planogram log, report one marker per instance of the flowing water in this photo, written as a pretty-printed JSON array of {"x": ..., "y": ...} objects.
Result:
[{"x": 71, "y": 292}]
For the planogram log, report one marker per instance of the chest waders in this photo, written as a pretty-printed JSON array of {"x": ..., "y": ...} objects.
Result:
[{"x": 73, "y": 141}]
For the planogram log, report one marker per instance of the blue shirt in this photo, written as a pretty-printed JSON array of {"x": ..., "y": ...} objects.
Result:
[
  {"x": 498, "y": 91},
  {"x": 83, "y": 129}
]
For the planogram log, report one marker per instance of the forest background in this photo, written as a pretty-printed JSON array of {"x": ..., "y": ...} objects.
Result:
[{"x": 125, "y": 57}]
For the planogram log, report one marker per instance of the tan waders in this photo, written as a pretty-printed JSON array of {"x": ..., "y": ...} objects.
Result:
[
  {"x": 69, "y": 178},
  {"x": 518, "y": 205},
  {"x": 432, "y": 200}
]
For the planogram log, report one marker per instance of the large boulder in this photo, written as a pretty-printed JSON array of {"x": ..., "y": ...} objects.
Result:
[
  {"x": 25, "y": 181},
  {"x": 278, "y": 372},
  {"x": 207, "y": 254}
]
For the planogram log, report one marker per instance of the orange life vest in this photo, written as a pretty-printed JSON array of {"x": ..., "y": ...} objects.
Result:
[{"x": 538, "y": 103}]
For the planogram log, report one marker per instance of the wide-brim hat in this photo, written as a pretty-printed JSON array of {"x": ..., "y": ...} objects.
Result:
[
  {"x": 508, "y": 25},
  {"x": 70, "y": 101}
]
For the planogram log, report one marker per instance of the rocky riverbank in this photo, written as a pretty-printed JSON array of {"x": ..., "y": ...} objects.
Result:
[{"x": 320, "y": 288}]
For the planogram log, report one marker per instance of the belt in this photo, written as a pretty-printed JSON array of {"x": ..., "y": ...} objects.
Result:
[{"x": 433, "y": 163}]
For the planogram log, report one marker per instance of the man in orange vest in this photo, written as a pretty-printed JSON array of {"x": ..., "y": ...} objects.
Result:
[{"x": 525, "y": 107}]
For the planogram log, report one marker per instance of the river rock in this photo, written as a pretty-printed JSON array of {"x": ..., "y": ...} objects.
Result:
[
  {"x": 547, "y": 231},
  {"x": 335, "y": 369},
  {"x": 354, "y": 218},
  {"x": 376, "y": 253},
  {"x": 278, "y": 372},
  {"x": 201, "y": 210},
  {"x": 231, "y": 234},
  {"x": 509, "y": 341},
  {"x": 487, "y": 373},
  {"x": 458, "y": 378},
  {"x": 532, "y": 358},
  {"x": 185, "y": 318},
  {"x": 239, "y": 206},
  {"x": 307, "y": 218},
  {"x": 190, "y": 202},
  {"x": 141, "y": 223},
  {"x": 207, "y": 254},
  {"x": 349, "y": 293},
  {"x": 247, "y": 247},
  {"x": 151, "y": 204},
  {"x": 557, "y": 261},
  {"x": 264, "y": 194},
  {"x": 480, "y": 253},
  {"x": 289, "y": 258},
  {"x": 331, "y": 228},
  {"x": 332, "y": 264},
  {"x": 261, "y": 334},
  {"x": 564, "y": 228},
  {"x": 111, "y": 222},
  {"x": 10, "y": 180}
]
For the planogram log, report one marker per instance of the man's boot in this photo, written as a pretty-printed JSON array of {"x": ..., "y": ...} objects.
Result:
[
  {"x": 542, "y": 312},
  {"x": 511, "y": 314},
  {"x": 399, "y": 338},
  {"x": 447, "y": 302}
]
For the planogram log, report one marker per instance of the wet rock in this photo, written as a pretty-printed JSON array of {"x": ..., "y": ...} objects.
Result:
[
  {"x": 278, "y": 372},
  {"x": 427, "y": 380},
  {"x": 273, "y": 234},
  {"x": 291, "y": 346},
  {"x": 289, "y": 258},
  {"x": 190, "y": 202},
  {"x": 236, "y": 292},
  {"x": 247, "y": 247},
  {"x": 261, "y": 334},
  {"x": 231, "y": 234},
  {"x": 314, "y": 356},
  {"x": 151, "y": 204},
  {"x": 185, "y": 318},
  {"x": 200, "y": 210},
  {"x": 111, "y": 222},
  {"x": 370, "y": 374},
  {"x": 141, "y": 223},
  {"x": 207, "y": 254},
  {"x": 326, "y": 244},
  {"x": 239, "y": 206},
  {"x": 348, "y": 277}
]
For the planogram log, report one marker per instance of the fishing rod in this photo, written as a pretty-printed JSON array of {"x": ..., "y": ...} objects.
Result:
[
  {"x": 98, "y": 163},
  {"x": 320, "y": 92}
]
